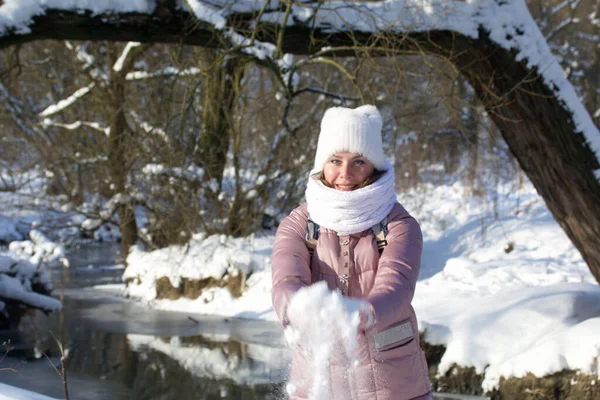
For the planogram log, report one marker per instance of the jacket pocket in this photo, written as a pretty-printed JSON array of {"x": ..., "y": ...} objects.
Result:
[
  {"x": 398, "y": 345},
  {"x": 395, "y": 342},
  {"x": 397, "y": 350}
]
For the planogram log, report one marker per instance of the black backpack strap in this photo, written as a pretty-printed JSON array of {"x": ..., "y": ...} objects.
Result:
[
  {"x": 312, "y": 235},
  {"x": 380, "y": 232}
]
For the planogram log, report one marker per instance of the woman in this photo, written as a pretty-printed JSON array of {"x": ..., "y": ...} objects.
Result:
[{"x": 350, "y": 192}]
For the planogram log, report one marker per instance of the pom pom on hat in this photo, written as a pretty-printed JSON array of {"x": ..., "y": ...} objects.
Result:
[{"x": 355, "y": 130}]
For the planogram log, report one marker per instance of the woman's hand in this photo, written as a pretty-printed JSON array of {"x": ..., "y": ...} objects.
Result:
[
  {"x": 367, "y": 316},
  {"x": 317, "y": 307}
]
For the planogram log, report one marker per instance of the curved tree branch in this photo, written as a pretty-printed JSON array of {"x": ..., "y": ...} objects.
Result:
[{"x": 540, "y": 128}]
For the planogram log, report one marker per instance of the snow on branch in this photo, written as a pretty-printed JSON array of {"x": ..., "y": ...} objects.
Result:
[
  {"x": 191, "y": 173},
  {"x": 119, "y": 63},
  {"x": 148, "y": 128},
  {"x": 62, "y": 104},
  {"x": 588, "y": 37},
  {"x": 508, "y": 23},
  {"x": 90, "y": 160},
  {"x": 88, "y": 62},
  {"x": 169, "y": 71},
  {"x": 563, "y": 24},
  {"x": 110, "y": 207},
  {"x": 76, "y": 125},
  {"x": 251, "y": 46},
  {"x": 207, "y": 13},
  {"x": 573, "y": 4},
  {"x": 14, "y": 289},
  {"x": 83, "y": 56}
]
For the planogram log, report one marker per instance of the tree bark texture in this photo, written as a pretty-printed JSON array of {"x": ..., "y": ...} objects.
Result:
[
  {"x": 220, "y": 95},
  {"x": 120, "y": 149},
  {"x": 221, "y": 92},
  {"x": 538, "y": 128}
]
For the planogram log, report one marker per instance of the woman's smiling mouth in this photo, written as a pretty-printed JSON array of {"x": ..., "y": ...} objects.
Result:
[{"x": 345, "y": 188}]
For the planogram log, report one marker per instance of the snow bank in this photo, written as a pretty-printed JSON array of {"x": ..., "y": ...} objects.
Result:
[
  {"x": 539, "y": 330},
  {"x": 203, "y": 258},
  {"x": 532, "y": 309},
  {"x": 39, "y": 249},
  {"x": 23, "y": 275}
]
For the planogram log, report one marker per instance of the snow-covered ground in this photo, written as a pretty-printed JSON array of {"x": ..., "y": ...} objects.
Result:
[
  {"x": 501, "y": 285},
  {"x": 535, "y": 308}
]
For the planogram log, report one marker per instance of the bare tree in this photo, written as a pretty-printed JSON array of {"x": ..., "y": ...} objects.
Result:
[{"x": 546, "y": 135}]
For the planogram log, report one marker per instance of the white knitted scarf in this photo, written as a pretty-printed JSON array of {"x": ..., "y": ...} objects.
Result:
[{"x": 354, "y": 211}]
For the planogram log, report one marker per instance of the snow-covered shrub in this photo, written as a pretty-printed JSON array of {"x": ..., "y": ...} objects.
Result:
[
  {"x": 39, "y": 249},
  {"x": 23, "y": 285}
]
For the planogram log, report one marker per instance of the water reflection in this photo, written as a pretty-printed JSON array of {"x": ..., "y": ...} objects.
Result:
[
  {"x": 199, "y": 368},
  {"x": 151, "y": 367},
  {"x": 193, "y": 367}
]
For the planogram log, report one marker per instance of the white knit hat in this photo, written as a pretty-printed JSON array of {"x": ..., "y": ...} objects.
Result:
[{"x": 353, "y": 130}]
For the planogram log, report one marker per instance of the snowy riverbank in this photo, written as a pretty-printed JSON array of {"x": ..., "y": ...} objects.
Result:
[{"x": 501, "y": 286}]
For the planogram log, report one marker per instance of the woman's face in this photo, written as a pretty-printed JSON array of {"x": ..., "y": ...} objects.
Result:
[{"x": 347, "y": 171}]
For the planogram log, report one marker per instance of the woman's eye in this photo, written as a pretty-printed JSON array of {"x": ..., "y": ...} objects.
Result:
[
  {"x": 359, "y": 162},
  {"x": 335, "y": 162}
]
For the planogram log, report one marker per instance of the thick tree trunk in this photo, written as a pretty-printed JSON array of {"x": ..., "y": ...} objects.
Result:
[
  {"x": 537, "y": 127},
  {"x": 541, "y": 134}
]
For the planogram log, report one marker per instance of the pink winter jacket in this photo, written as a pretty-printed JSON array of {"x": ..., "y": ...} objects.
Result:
[{"x": 391, "y": 362}]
